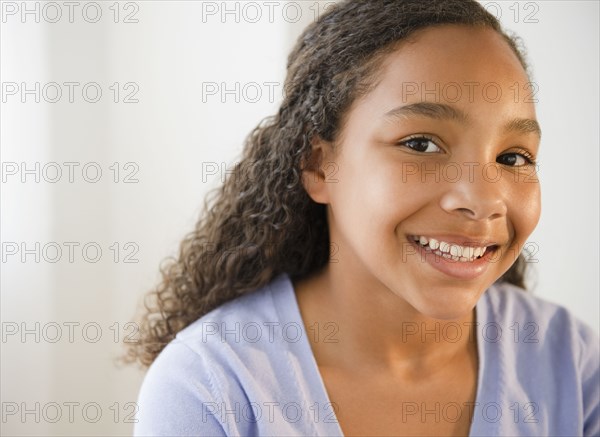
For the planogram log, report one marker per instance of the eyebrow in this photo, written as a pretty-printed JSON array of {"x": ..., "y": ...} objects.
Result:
[
  {"x": 441, "y": 111},
  {"x": 524, "y": 125}
]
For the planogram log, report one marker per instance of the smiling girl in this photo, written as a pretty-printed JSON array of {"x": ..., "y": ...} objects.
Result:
[{"x": 360, "y": 273}]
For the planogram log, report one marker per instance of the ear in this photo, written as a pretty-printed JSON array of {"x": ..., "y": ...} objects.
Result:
[{"x": 314, "y": 176}]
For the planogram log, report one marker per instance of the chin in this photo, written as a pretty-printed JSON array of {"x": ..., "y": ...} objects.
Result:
[{"x": 447, "y": 305}]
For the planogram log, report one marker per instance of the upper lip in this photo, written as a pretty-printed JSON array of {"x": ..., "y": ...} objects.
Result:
[{"x": 461, "y": 240}]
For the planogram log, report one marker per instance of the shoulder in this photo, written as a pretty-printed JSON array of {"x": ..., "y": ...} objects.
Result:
[
  {"x": 517, "y": 309},
  {"x": 214, "y": 362},
  {"x": 250, "y": 319},
  {"x": 176, "y": 395},
  {"x": 546, "y": 352}
]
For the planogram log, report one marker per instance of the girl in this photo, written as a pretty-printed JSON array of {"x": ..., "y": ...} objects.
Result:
[{"x": 361, "y": 271}]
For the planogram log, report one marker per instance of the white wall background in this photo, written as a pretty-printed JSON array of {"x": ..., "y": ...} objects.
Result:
[{"x": 169, "y": 53}]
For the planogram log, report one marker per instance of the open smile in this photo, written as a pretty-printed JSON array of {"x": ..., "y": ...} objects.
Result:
[
  {"x": 461, "y": 261},
  {"x": 456, "y": 252}
]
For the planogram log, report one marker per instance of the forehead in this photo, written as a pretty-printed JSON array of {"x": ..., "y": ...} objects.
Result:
[
  {"x": 458, "y": 47},
  {"x": 451, "y": 64}
]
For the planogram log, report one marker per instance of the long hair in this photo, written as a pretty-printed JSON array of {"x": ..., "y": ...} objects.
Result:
[{"x": 261, "y": 222}]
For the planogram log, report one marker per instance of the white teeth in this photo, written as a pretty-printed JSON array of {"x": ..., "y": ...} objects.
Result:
[
  {"x": 451, "y": 251},
  {"x": 455, "y": 251},
  {"x": 468, "y": 252},
  {"x": 444, "y": 247}
]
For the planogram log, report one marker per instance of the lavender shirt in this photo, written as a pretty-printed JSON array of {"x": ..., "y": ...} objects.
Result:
[{"x": 247, "y": 369}]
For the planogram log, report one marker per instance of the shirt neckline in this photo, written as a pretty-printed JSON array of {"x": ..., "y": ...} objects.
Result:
[{"x": 287, "y": 306}]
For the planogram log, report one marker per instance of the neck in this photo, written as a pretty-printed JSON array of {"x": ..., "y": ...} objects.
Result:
[{"x": 354, "y": 324}]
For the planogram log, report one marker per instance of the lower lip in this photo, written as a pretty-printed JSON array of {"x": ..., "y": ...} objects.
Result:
[{"x": 456, "y": 269}]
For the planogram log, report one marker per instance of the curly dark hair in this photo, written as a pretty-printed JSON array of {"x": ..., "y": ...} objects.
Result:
[{"x": 261, "y": 221}]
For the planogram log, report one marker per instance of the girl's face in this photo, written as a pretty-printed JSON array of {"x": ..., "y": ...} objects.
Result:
[{"x": 440, "y": 148}]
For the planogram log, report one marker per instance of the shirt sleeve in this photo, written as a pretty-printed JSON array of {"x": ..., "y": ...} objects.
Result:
[
  {"x": 177, "y": 397},
  {"x": 590, "y": 378}
]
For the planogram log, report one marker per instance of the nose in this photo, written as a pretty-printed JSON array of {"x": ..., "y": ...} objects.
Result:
[{"x": 475, "y": 197}]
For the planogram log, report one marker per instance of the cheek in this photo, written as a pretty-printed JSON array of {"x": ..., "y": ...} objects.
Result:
[
  {"x": 370, "y": 194},
  {"x": 393, "y": 196},
  {"x": 525, "y": 210},
  {"x": 382, "y": 190}
]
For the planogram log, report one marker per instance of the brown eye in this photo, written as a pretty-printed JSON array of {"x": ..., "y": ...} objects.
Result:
[
  {"x": 420, "y": 144},
  {"x": 516, "y": 159}
]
